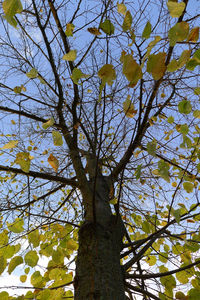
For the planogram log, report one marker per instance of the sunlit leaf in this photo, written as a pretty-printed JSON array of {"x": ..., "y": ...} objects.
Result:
[
  {"x": 33, "y": 73},
  {"x": 175, "y": 8},
  {"x": 121, "y": 8},
  {"x": 34, "y": 238},
  {"x": 156, "y": 65},
  {"x": 15, "y": 261},
  {"x": 23, "y": 278},
  {"x": 16, "y": 226},
  {"x": 37, "y": 280},
  {"x": 54, "y": 163},
  {"x": 107, "y": 27},
  {"x": 48, "y": 124},
  {"x": 31, "y": 258},
  {"x": 57, "y": 138},
  {"x": 178, "y": 33},
  {"x": 70, "y": 56},
  {"x": 147, "y": 31},
  {"x": 10, "y": 145},
  {"x": 127, "y": 21},
  {"x": 69, "y": 29},
  {"x": 23, "y": 159},
  {"x": 4, "y": 296},
  {"x": 129, "y": 108}
]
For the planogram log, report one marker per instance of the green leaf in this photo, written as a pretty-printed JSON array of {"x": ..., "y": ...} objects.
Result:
[
  {"x": 182, "y": 277},
  {"x": 15, "y": 261},
  {"x": 3, "y": 264},
  {"x": 131, "y": 70},
  {"x": 163, "y": 169},
  {"x": 180, "y": 295},
  {"x": 31, "y": 258},
  {"x": 16, "y": 226},
  {"x": 72, "y": 245},
  {"x": 77, "y": 74},
  {"x": 34, "y": 238},
  {"x": 170, "y": 120},
  {"x": 172, "y": 66},
  {"x": 138, "y": 172},
  {"x": 70, "y": 56},
  {"x": 127, "y": 21},
  {"x": 194, "y": 294},
  {"x": 11, "y": 20},
  {"x": 37, "y": 280},
  {"x": 196, "y": 114},
  {"x": 177, "y": 215},
  {"x": 151, "y": 148},
  {"x": 163, "y": 257},
  {"x": 197, "y": 91},
  {"x": 107, "y": 27},
  {"x": 10, "y": 145},
  {"x": 23, "y": 278},
  {"x": 188, "y": 186},
  {"x": 69, "y": 29},
  {"x": 48, "y": 124},
  {"x": 184, "y": 107},
  {"x": 107, "y": 74},
  {"x": 147, "y": 31},
  {"x": 17, "y": 89},
  {"x": 4, "y": 296},
  {"x": 57, "y": 138},
  {"x": 12, "y": 7},
  {"x": 184, "y": 129},
  {"x": 23, "y": 160},
  {"x": 33, "y": 73},
  {"x": 185, "y": 55},
  {"x": 156, "y": 65},
  {"x": 151, "y": 260},
  {"x": 175, "y": 9},
  {"x": 178, "y": 33}
]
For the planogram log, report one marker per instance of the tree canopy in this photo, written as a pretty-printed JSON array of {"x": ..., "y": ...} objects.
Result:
[{"x": 100, "y": 149}]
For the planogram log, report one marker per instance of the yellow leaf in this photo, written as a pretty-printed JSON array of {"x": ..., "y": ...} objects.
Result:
[
  {"x": 69, "y": 29},
  {"x": 94, "y": 30},
  {"x": 12, "y": 7},
  {"x": 10, "y": 145},
  {"x": 175, "y": 9},
  {"x": 48, "y": 124},
  {"x": 129, "y": 108},
  {"x": 23, "y": 159},
  {"x": 57, "y": 138},
  {"x": 121, "y": 8},
  {"x": 13, "y": 122},
  {"x": 193, "y": 35},
  {"x": 131, "y": 70},
  {"x": 70, "y": 56},
  {"x": 54, "y": 163},
  {"x": 156, "y": 65},
  {"x": 127, "y": 21}
]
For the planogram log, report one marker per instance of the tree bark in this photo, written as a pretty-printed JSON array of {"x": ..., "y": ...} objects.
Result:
[{"x": 99, "y": 274}]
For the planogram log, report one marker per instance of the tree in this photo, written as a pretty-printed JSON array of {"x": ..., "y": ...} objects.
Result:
[{"x": 100, "y": 148}]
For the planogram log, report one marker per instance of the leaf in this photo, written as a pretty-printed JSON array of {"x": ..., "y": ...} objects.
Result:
[
  {"x": 10, "y": 145},
  {"x": 34, "y": 238},
  {"x": 175, "y": 9},
  {"x": 107, "y": 74},
  {"x": 31, "y": 258},
  {"x": 3, "y": 264},
  {"x": 170, "y": 120},
  {"x": 17, "y": 89},
  {"x": 77, "y": 74},
  {"x": 71, "y": 245},
  {"x": 193, "y": 35},
  {"x": 23, "y": 278},
  {"x": 172, "y": 66},
  {"x": 178, "y": 33},
  {"x": 151, "y": 260},
  {"x": 163, "y": 169},
  {"x": 151, "y": 148},
  {"x": 70, "y": 56},
  {"x": 16, "y": 226},
  {"x": 147, "y": 31},
  {"x": 33, "y": 73},
  {"x": 23, "y": 159},
  {"x": 184, "y": 58},
  {"x": 121, "y": 8},
  {"x": 194, "y": 294},
  {"x": 156, "y": 65},
  {"x": 127, "y": 21},
  {"x": 94, "y": 30},
  {"x": 196, "y": 114},
  {"x": 184, "y": 107},
  {"x": 37, "y": 280},
  {"x": 48, "y": 124},
  {"x": 197, "y": 91},
  {"x": 15, "y": 261},
  {"x": 129, "y": 108},
  {"x": 4, "y": 296},
  {"x": 52, "y": 160},
  {"x": 182, "y": 277},
  {"x": 131, "y": 70},
  {"x": 188, "y": 186},
  {"x": 11, "y": 20},
  {"x": 107, "y": 27},
  {"x": 12, "y": 7},
  {"x": 138, "y": 172},
  {"x": 57, "y": 138},
  {"x": 180, "y": 295},
  {"x": 69, "y": 29}
]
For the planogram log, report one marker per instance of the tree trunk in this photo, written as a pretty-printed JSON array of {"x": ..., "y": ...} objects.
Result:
[{"x": 99, "y": 275}]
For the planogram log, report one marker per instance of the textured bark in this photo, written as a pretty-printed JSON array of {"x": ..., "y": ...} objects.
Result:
[{"x": 99, "y": 275}]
